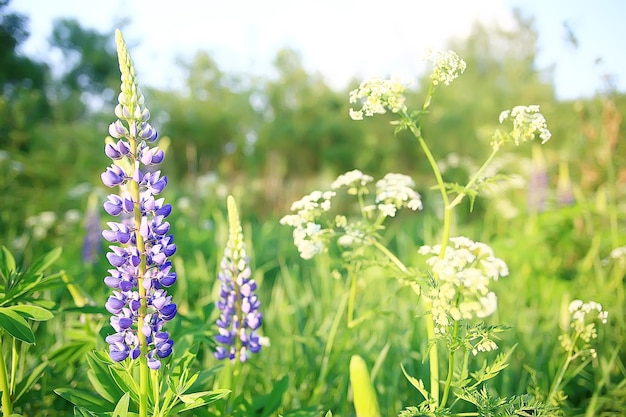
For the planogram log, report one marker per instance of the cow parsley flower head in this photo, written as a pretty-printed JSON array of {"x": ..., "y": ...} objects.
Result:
[
  {"x": 462, "y": 276},
  {"x": 528, "y": 123},
  {"x": 378, "y": 96},
  {"x": 239, "y": 319},
  {"x": 395, "y": 191},
  {"x": 582, "y": 327},
  {"x": 448, "y": 66},
  {"x": 140, "y": 241}
]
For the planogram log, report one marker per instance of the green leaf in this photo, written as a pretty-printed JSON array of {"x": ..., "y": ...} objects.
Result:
[
  {"x": 83, "y": 412},
  {"x": 199, "y": 399},
  {"x": 32, "y": 312},
  {"x": 125, "y": 382},
  {"x": 43, "y": 262},
  {"x": 26, "y": 383},
  {"x": 417, "y": 383},
  {"x": 86, "y": 399},
  {"x": 16, "y": 325},
  {"x": 121, "y": 409},
  {"x": 7, "y": 262},
  {"x": 101, "y": 379},
  {"x": 265, "y": 405}
]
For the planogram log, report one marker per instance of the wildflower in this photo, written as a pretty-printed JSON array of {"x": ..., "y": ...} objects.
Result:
[
  {"x": 462, "y": 278},
  {"x": 380, "y": 95},
  {"x": 92, "y": 241},
  {"x": 238, "y": 304},
  {"x": 583, "y": 329},
  {"x": 448, "y": 66},
  {"x": 142, "y": 246},
  {"x": 395, "y": 191},
  {"x": 308, "y": 235},
  {"x": 355, "y": 180},
  {"x": 528, "y": 123}
]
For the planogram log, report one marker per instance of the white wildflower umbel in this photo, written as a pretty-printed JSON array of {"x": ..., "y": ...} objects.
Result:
[
  {"x": 314, "y": 227},
  {"x": 378, "y": 96},
  {"x": 582, "y": 327},
  {"x": 528, "y": 123},
  {"x": 395, "y": 191},
  {"x": 462, "y": 278},
  {"x": 448, "y": 66}
]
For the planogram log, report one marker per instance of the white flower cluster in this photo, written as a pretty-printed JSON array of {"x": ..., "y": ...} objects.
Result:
[
  {"x": 448, "y": 66},
  {"x": 380, "y": 95},
  {"x": 462, "y": 277},
  {"x": 308, "y": 236},
  {"x": 395, "y": 191},
  {"x": 584, "y": 331},
  {"x": 527, "y": 123},
  {"x": 355, "y": 180}
]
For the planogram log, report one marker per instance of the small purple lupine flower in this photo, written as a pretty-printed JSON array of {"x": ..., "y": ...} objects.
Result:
[
  {"x": 239, "y": 317},
  {"x": 140, "y": 241},
  {"x": 92, "y": 244}
]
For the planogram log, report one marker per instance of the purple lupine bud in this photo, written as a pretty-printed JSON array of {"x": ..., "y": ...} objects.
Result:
[
  {"x": 118, "y": 232},
  {"x": 145, "y": 115},
  {"x": 123, "y": 148},
  {"x": 149, "y": 133},
  {"x": 111, "y": 151},
  {"x": 113, "y": 176},
  {"x": 163, "y": 211},
  {"x": 115, "y": 303},
  {"x": 118, "y": 351},
  {"x": 117, "y": 130},
  {"x": 113, "y": 205},
  {"x": 168, "y": 312}
]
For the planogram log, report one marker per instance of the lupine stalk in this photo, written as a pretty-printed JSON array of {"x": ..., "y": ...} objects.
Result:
[
  {"x": 141, "y": 244},
  {"x": 239, "y": 305}
]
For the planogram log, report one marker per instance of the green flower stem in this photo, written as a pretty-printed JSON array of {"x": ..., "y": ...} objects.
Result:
[
  {"x": 7, "y": 406},
  {"x": 14, "y": 365},
  {"x": 559, "y": 378},
  {"x": 446, "y": 389},
  {"x": 457, "y": 200},
  {"x": 143, "y": 308},
  {"x": 351, "y": 300},
  {"x": 430, "y": 325},
  {"x": 393, "y": 258}
]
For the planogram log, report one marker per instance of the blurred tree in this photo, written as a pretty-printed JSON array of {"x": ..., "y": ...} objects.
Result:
[
  {"x": 22, "y": 81},
  {"x": 91, "y": 74}
]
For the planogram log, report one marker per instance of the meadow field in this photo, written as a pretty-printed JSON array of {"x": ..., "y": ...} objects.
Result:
[{"x": 451, "y": 247}]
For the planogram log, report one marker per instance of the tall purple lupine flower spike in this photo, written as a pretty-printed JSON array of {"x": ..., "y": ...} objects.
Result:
[
  {"x": 239, "y": 305},
  {"x": 141, "y": 245}
]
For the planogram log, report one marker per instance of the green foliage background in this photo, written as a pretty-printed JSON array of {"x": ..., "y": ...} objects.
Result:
[{"x": 268, "y": 141}]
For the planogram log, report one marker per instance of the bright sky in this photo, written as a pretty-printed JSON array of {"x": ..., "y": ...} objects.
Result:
[{"x": 339, "y": 38}]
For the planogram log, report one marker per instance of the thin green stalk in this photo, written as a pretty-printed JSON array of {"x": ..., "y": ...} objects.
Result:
[
  {"x": 328, "y": 348},
  {"x": 446, "y": 388},
  {"x": 393, "y": 258},
  {"x": 143, "y": 308},
  {"x": 471, "y": 183},
  {"x": 7, "y": 406},
  {"x": 559, "y": 378},
  {"x": 430, "y": 325},
  {"x": 14, "y": 365},
  {"x": 352, "y": 299}
]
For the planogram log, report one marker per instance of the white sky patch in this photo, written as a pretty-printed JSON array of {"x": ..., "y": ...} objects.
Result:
[{"x": 341, "y": 39}]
